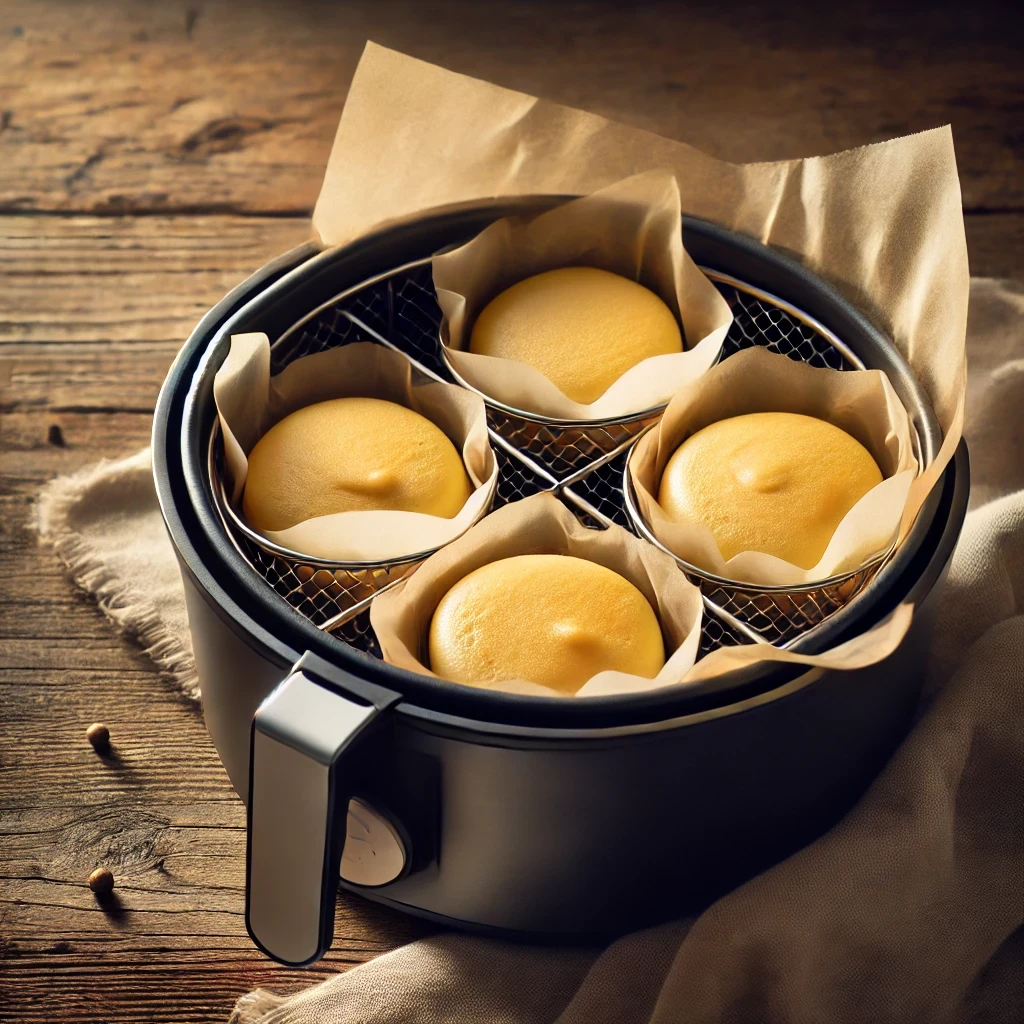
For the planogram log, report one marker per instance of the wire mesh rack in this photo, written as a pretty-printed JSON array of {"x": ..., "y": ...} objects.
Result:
[{"x": 400, "y": 310}]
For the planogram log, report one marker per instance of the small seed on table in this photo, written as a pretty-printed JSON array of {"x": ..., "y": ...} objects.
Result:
[
  {"x": 101, "y": 881},
  {"x": 98, "y": 735}
]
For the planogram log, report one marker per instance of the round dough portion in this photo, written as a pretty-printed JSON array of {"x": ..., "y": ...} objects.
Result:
[
  {"x": 352, "y": 455},
  {"x": 554, "y": 620},
  {"x": 582, "y": 328},
  {"x": 776, "y": 482}
]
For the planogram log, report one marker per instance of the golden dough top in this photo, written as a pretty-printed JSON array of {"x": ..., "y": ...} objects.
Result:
[
  {"x": 554, "y": 620},
  {"x": 582, "y": 328},
  {"x": 776, "y": 482},
  {"x": 350, "y": 455}
]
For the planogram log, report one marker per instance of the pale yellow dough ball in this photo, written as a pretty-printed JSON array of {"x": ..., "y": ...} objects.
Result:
[
  {"x": 554, "y": 620},
  {"x": 582, "y": 328},
  {"x": 776, "y": 482},
  {"x": 349, "y": 455}
]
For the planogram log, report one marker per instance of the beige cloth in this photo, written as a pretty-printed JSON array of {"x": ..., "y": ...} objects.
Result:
[{"x": 911, "y": 909}]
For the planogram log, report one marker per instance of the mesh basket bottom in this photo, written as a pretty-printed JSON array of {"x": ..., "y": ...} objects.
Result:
[
  {"x": 564, "y": 451},
  {"x": 359, "y": 634},
  {"x": 787, "y": 615}
]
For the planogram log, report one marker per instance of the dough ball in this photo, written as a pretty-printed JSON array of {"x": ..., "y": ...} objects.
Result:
[
  {"x": 554, "y": 620},
  {"x": 582, "y": 328},
  {"x": 776, "y": 482},
  {"x": 349, "y": 455}
]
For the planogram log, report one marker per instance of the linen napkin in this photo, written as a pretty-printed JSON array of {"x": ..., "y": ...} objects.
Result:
[{"x": 911, "y": 909}]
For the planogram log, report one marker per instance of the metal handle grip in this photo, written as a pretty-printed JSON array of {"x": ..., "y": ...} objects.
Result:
[{"x": 301, "y": 736}]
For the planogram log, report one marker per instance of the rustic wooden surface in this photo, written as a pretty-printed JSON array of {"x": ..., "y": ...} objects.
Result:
[{"x": 151, "y": 155}]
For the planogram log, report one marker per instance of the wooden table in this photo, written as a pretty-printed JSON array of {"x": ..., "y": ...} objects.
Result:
[{"x": 152, "y": 155}]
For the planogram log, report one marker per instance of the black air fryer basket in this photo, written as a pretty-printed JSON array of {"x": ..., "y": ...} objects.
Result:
[{"x": 785, "y": 748}]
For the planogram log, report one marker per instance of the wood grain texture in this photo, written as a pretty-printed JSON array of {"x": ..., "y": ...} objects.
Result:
[
  {"x": 151, "y": 156},
  {"x": 232, "y": 106}
]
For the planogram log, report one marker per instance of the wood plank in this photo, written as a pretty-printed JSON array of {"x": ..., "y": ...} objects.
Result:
[
  {"x": 995, "y": 244},
  {"x": 120, "y": 107},
  {"x": 120, "y": 280},
  {"x": 153, "y": 985}
]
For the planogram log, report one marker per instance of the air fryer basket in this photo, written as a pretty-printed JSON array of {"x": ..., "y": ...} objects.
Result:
[
  {"x": 583, "y": 463},
  {"x": 313, "y": 307},
  {"x": 470, "y": 785}
]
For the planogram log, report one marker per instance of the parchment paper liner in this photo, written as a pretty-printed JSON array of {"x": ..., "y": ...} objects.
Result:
[
  {"x": 882, "y": 223},
  {"x": 861, "y": 402},
  {"x": 541, "y": 524},
  {"x": 250, "y": 401},
  {"x": 631, "y": 228},
  {"x": 401, "y": 617},
  {"x": 861, "y": 651}
]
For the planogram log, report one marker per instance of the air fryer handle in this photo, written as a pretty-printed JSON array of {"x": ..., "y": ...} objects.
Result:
[{"x": 304, "y": 737}]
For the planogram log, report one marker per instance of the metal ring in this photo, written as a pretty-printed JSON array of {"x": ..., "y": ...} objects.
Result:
[
  {"x": 638, "y": 520},
  {"x": 287, "y": 554}
]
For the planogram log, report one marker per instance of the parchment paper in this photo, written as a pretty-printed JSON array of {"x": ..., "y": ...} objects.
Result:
[
  {"x": 883, "y": 223},
  {"x": 630, "y": 228},
  {"x": 541, "y": 524},
  {"x": 250, "y": 401},
  {"x": 861, "y": 402}
]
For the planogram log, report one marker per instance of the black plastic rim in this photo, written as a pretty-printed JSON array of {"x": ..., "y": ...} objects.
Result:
[{"x": 185, "y": 411}]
